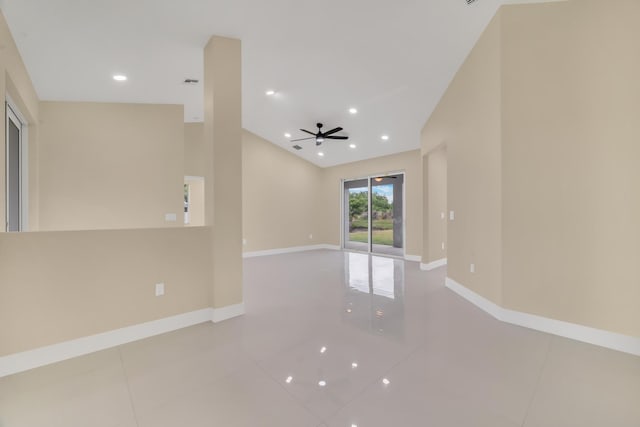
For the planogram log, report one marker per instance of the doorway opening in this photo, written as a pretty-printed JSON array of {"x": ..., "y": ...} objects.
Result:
[
  {"x": 373, "y": 214},
  {"x": 194, "y": 201}
]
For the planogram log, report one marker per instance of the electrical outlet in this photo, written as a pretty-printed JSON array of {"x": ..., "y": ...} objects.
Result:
[
  {"x": 472, "y": 268},
  {"x": 159, "y": 289},
  {"x": 170, "y": 217}
]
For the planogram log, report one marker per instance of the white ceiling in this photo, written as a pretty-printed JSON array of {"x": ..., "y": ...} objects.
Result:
[{"x": 392, "y": 60}]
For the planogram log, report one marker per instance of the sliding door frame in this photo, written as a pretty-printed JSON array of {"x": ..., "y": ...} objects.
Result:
[{"x": 343, "y": 213}]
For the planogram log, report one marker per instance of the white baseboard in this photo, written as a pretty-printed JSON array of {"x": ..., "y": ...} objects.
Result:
[
  {"x": 289, "y": 250},
  {"x": 433, "y": 265},
  {"x": 19, "y": 362},
  {"x": 228, "y": 312},
  {"x": 414, "y": 258},
  {"x": 612, "y": 340}
]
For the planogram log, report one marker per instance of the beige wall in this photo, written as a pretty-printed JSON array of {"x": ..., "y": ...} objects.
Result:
[
  {"x": 330, "y": 195},
  {"x": 542, "y": 139},
  {"x": 571, "y": 145},
  {"x": 467, "y": 120},
  {"x": 15, "y": 81},
  {"x": 223, "y": 166},
  {"x": 286, "y": 199},
  {"x": 194, "y": 160},
  {"x": 108, "y": 166},
  {"x": 57, "y": 286},
  {"x": 435, "y": 205},
  {"x": 62, "y": 285},
  {"x": 279, "y": 197}
]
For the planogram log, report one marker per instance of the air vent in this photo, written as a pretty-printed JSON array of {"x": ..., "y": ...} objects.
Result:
[
  {"x": 194, "y": 81},
  {"x": 297, "y": 147},
  {"x": 470, "y": 1}
]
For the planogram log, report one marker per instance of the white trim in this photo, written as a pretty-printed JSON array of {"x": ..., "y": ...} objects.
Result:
[
  {"x": 24, "y": 184},
  {"x": 16, "y": 110},
  {"x": 30, "y": 359},
  {"x": 289, "y": 250},
  {"x": 612, "y": 340},
  {"x": 14, "y": 114},
  {"x": 414, "y": 258},
  {"x": 228, "y": 312},
  {"x": 433, "y": 264},
  {"x": 19, "y": 362}
]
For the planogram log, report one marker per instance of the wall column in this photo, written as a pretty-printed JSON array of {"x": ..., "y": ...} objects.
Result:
[{"x": 223, "y": 178}]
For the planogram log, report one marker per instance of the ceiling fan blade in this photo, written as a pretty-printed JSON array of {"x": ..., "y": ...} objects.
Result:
[
  {"x": 302, "y": 139},
  {"x": 336, "y": 137},
  {"x": 309, "y": 132},
  {"x": 332, "y": 131}
]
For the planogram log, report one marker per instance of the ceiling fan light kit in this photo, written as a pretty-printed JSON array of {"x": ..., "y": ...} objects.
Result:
[{"x": 321, "y": 136}]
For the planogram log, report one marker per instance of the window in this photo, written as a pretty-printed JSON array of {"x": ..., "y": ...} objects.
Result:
[{"x": 16, "y": 157}]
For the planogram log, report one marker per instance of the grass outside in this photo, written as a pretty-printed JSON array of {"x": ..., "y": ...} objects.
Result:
[
  {"x": 380, "y": 237},
  {"x": 376, "y": 224}
]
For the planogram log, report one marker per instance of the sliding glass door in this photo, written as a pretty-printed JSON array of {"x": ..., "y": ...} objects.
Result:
[
  {"x": 356, "y": 215},
  {"x": 373, "y": 215}
]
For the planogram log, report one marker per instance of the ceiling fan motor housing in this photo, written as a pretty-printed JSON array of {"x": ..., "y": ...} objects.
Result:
[{"x": 320, "y": 136}]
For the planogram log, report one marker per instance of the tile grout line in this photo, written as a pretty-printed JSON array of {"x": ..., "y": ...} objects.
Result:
[
  {"x": 295, "y": 399},
  {"x": 535, "y": 389},
  {"x": 126, "y": 381},
  {"x": 358, "y": 394},
  {"x": 370, "y": 384}
]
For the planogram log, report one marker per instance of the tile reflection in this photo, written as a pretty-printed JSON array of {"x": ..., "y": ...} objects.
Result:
[{"x": 374, "y": 295}]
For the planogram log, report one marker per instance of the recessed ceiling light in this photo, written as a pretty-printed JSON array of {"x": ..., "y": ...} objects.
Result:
[
  {"x": 352, "y": 145},
  {"x": 120, "y": 77},
  {"x": 386, "y": 381},
  {"x": 287, "y": 135},
  {"x": 354, "y": 365},
  {"x": 353, "y": 110},
  {"x": 270, "y": 92},
  {"x": 322, "y": 383},
  {"x": 323, "y": 350},
  {"x": 289, "y": 379},
  {"x": 354, "y": 425},
  {"x": 321, "y": 154},
  {"x": 385, "y": 137}
]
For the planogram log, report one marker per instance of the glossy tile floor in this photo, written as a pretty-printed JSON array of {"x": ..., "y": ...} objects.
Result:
[
  {"x": 377, "y": 249},
  {"x": 336, "y": 339}
]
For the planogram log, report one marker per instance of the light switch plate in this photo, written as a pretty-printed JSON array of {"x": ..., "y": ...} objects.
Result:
[
  {"x": 159, "y": 289},
  {"x": 170, "y": 217},
  {"x": 472, "y": 268},
  {"x": 452, "y": 215}
]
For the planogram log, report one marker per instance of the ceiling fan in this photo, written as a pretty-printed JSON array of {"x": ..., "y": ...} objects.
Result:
[{"x": 321, "y": 136}]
